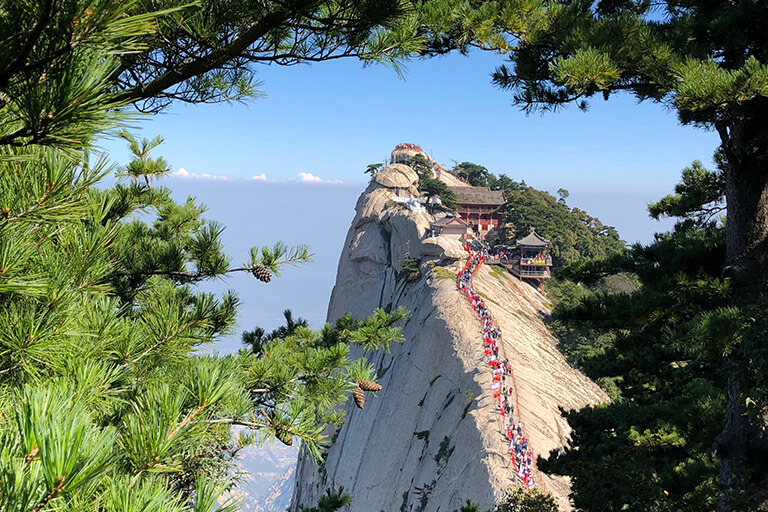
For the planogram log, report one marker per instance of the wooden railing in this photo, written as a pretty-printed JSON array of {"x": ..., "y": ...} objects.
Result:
[
  {"x": 542, "y": 272},
  {"x": 533, "y": 273},
  {"x": 545, "y": 262},
  {"x": 536, "y": 261}
]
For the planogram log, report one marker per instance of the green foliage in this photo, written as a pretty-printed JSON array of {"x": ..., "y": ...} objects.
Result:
[
  {"x": 372, "y": 169},
  {"x": 693, "y": 57},
  {"x": 442, "y": 273},
  {"x": 437, "y": 188},
  {"x": 277, "y": 256},
  {"x": 258, "y": 337},
  {"x": 300, "y": 377},
  {"x": 410, "y": 270},
  {"x": 578, "y": 342},
  {"x": 421, "y": 165},
  {"x": 468, "y": 507},
  {"x": 142, "y": 165},
  {"x": 69, "y": 67},
  {"x": 476, "y": 175},
  {"x": 330, "y": 501},
  {"x": 699, "y": 196},
  {"x": 98, "y": 386},
  {"x": 574, "y": 234},
  {"x": 658, "y": 346},
  {"x": 103, "y": 396},
  {"x": 520, "y": 500},
  {"x": 57, "y": 67}
]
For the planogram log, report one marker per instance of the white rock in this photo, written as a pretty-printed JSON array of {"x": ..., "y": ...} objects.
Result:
[
  {"x": 397, "y": 176},
  {"x": 431, "y": 438},
  {"x": 442, "y": 246}
]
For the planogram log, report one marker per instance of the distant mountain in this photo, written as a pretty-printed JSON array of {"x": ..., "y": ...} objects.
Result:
[
  {"x": 278, "y": 496},
  {"x": 266, "y": 478}
]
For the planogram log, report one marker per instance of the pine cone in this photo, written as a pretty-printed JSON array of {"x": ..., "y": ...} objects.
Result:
[
  {"x": 284, "y": 437},
  {"x": 368, "y": 385},
  {"x": 359, "y": 395},
  {"x": 262, "y": 273}
]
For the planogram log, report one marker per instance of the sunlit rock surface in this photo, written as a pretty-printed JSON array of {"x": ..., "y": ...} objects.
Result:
[{"x": 432, "y": 438}]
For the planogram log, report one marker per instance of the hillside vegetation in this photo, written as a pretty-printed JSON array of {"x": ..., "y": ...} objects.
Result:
[{"x": 575, "y": 235}]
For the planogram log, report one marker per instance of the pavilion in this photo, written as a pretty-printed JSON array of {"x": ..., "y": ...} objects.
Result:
[
  {"x": 477, "y": 207},
  {"x": 530, "y": 257}
]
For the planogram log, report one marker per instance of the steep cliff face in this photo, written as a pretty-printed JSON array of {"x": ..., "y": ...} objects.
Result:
[{"x": 432, "y": 438}]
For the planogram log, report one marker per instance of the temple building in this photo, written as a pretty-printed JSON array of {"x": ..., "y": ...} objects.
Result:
[
  {"x": 530, "y": 257},
  {"x": 477, "y": 207},
  {"x": 452, "y": 226}
]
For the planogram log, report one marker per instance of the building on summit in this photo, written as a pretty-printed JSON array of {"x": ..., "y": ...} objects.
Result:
[{"x": 477, "y": 207}]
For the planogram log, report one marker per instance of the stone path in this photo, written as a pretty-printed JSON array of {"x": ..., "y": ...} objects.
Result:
[{"x": 520, "y": 450}]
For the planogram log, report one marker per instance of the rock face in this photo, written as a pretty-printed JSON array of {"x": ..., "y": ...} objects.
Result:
[{"x": 431, "y": 439}]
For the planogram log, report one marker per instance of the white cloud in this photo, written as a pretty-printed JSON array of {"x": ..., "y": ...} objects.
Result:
[
  {"x": 306, "y": 177},
  {"x": 183, "y": 173},
  {"x": 302, "y": 177}
]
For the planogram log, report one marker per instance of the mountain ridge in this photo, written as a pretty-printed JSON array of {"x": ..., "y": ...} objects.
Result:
[{"x": 431, "y": 439}]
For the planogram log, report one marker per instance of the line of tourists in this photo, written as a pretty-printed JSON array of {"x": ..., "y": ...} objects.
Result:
[
  {"x": 502, "y": 383},
  {"x": 500, "y": 253}
]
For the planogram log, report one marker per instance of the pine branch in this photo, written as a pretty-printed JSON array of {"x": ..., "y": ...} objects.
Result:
[
  {"x": 197, "y": 276},
  {"x": 161, "y": 342},
  {"x": 37, "y": 204},
  {"x": 32, "y": 36},
  {"x": 258, "y": 425},
  {"x": 187, "y": 419},
  {"x": 214, "y": 60},
  {"x": 59, "y": 486},
  {"x": 12, "y": 367}
]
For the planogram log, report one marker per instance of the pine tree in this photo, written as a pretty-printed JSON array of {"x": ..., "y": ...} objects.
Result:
[
  {"x": 476, "y": 175},
  {"x": 103, "y": 397},
  {"x": 330, "y": 501},
  {"x": 104, "y": 401},
  {"x": 433, "y": 187},
  {"x": 661, "y": 353},
  {"x": 709, "y": 62}
]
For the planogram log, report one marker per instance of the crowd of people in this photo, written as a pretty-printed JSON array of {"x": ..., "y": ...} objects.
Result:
[
  {"x": 408, "y": 145},
  {"x": 436, "y": 167},
  {"x": 502, "y": 383},
  {"x": 500, "y": 252}
]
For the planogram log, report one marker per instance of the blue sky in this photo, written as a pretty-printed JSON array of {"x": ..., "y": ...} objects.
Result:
[
  {"x": 331, "y": 119},
  {"x": 309, "y": 140}
]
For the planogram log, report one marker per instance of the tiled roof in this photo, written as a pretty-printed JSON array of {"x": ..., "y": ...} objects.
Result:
[
  {"x": 478, "y": 195},
  {"x": 532, "y": 239},
  {"x": 445, "y": 221}
]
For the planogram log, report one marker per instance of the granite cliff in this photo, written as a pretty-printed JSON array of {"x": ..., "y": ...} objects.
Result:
[{"x": 431, "y": 439}]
